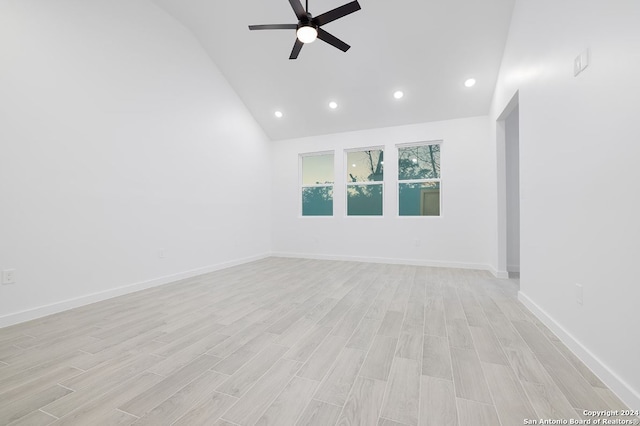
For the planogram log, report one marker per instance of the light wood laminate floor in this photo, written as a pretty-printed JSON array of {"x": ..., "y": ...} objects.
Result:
[{"x": 298, "y": 342}]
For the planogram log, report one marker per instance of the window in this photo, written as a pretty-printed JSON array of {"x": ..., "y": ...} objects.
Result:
[
  {"x": 364, "y": 182},
  {"x": 317, "y": 184},
  {"x": 419, "y": 180}
]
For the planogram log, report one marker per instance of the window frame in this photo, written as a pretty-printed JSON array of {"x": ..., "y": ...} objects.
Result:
[
  {"x": 348, "y": 184},
  {"x": 399, "y": 181},
  {"x": 302, "y": 186}
]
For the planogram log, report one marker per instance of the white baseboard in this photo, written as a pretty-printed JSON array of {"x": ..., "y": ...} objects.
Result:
[
  {"x": 498, "y": 274},
  {"x": 622, "y": 389},
  {"x": 64, "y": 305},
  {"x": 392, "y": 261}
]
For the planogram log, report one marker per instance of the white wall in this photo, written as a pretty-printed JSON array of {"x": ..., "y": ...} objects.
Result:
[
  {"x": 579, "y": 150},
  {"x": 118, "y": 137},
  {"x": 458, "y": 238}
]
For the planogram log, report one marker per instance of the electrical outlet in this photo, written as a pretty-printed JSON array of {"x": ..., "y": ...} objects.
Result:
[
  {"x": 579, "y": 296},
  {"x": 9, "y": 276},
  {"x": 416, "y": 243}
]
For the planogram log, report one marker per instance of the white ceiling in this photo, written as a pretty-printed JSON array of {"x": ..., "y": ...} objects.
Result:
[{"x": 425, "y": 48}]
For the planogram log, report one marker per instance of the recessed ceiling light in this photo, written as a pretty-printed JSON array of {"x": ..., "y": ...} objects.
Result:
[
  {"x": 333, "y": 105},
  {"x": 398, "y": 94},
  {"x": 353, "y": 165},
  {"x": 470, "y": 82},
  {"x": 279, "y": 114}
]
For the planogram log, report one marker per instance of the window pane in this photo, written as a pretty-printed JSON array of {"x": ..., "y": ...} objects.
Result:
[
  {"x": 364, "y": 200},
  {"x": 365, "y": 166},
  {"x": 419, "y": 199},
  {"x": 317, "y": 169},
  {"x": 419, "y": 162},
  {"x": 317, "y": 201}
]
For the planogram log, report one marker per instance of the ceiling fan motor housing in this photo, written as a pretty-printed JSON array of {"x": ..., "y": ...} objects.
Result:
[{"x": 308, "y": 22}]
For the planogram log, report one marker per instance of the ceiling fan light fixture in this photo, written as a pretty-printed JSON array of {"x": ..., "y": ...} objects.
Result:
[{"x": 307, "y": 34}]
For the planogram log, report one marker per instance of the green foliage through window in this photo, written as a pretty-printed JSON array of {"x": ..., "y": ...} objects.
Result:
[
  {"x": 365, "y": 174},
  {"x": 365, "y": 166},
  {"x": 317, "y": 201},
  {"x": 419, "y": 180},
  {"x": 364, "y": 200},
  {"x": 419, "y": 162},
  {"x": 317, "y": 185}
]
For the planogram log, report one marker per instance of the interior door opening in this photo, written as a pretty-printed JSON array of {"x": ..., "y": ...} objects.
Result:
[
  {"x": 508, "y": 174},
  {"x": 512, "y": 172}
]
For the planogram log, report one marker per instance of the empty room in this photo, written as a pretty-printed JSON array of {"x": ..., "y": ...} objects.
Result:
[{"x": 322, "y": 212}]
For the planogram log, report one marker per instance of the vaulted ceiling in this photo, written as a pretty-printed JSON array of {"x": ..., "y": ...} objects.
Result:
[{"x": 425, "y": 48}]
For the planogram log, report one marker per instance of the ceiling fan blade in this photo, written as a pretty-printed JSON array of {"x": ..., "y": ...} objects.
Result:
[
  {"x": 332, "y": 40},
  {"x": 336, "y": 13},
  {"x": 274, "y": 27},
  {"x": 298, "y": 9},
  {"x": 296, "y": 49}
]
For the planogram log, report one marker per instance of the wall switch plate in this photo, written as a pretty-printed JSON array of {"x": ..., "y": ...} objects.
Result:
[
  {"x": 9, "y": 276},
  {"x": 579, "y": 296},
  {"x": 162, "y": 253},
  {"x": 581, "y": 62},
  {"x": 577, "y": 66},
  {"x": 585, "y": 59}
]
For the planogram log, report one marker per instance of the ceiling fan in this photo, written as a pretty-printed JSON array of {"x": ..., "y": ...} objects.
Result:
[{"x": 308, "y": 27}]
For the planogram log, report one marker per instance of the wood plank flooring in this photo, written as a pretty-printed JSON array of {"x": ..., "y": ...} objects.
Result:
[{"x": 298, "y": 342}]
